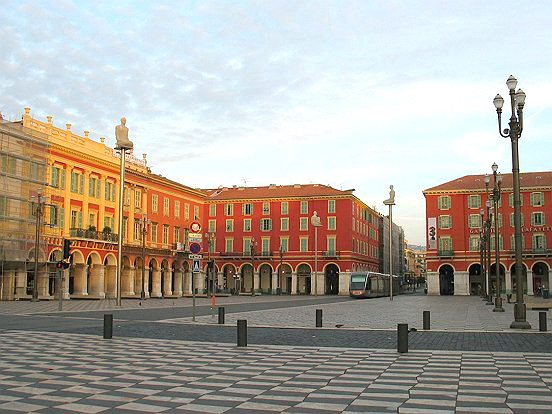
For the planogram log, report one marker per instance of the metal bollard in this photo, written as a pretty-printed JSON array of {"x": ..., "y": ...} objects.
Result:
[
  {"x": 242, "y": 332},
  {"x": 542, "y": 322},
  {"x": 427, "y": 319},
  {"x": 318, "y": 318},
  {"x": 108, "y": 326},
  {"x": 402, "y": 337},
  {"x": 221, "y": 315}
]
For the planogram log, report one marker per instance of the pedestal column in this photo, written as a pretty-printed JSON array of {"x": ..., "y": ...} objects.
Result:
[
  {"x": 97, "y": 280},
  {"x": 530, "y": 282},
  {"x": 156, "y": 288},
  {"x": 167, "y": 282},
  {"x": 20, "y": 283},
  {"x": 127, "y": 283},
  {"x": 80, "y": 279},
  {"x": 7, "y": 285},
  {"x": 110, "y": 279},
  {"x": 187, "y": 282},
  {"x": 294, "y": 283},
  {"x": 256, "y": 281},
  {"x": 177, "y": 282}
]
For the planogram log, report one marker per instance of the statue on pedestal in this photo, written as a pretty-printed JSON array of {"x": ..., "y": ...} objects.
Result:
[
  {"x": 121, "y": 135},
  {"x": 391, "y": 200},
  {"x": 315, "y": 220}
]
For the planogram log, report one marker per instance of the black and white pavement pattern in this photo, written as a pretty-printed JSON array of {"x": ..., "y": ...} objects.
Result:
[{"x": 48, "y": 372}]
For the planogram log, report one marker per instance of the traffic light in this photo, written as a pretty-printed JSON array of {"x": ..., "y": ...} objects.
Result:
[
  {"x": 66, "y": 248},
  {"x": 59, "y": 265}
]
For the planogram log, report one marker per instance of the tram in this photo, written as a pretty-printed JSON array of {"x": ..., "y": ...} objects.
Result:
[{"x": 371, "y": 285}]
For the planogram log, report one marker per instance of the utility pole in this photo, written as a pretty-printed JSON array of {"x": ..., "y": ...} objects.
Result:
[{"x": 38, "y": 211}]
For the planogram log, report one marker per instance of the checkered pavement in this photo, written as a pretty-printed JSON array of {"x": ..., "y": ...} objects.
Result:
[{"x": 56, "y": 373}]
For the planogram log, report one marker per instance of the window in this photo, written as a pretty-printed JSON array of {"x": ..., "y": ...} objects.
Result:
[
  {"x": 537, "y": 199},
  {"x": 212, "y": 226},
  {"x": 94, "y": 187},
  {"x": 186, "y": 211},
  {"x": 247, "y": 209},
  {"x": 474, "y": 201},
  {"x": 284, "y": 244},
  {"x": 513, "y": 242},
  {"x": 212, "y": 210},
  {"x": 109, "y": 191},
  {"x": 511, "y": 199},
  {"x": 303, "y": 244},
  {"x": 54, "y": 176},
  {"x": 330, "y": 243},
  {"x": 331, "y": 223},
  {"x": 373, "y": 234},
  {"x": 176, "y": 235},
  {"x": 266, "y": 224},
  {"x": 474, "y": 221},
  {"x": 265, "y": 244},
  {"x": 154, "y": 232},
  {"x": 229, "y": 245},
  {"x": 474, "y": 243},
  {"x": 443, "y": 202},
  {"x": 500, "y": 243},
  {"x": 126, "y": 196},
  {"x": 537, "y": 218},
  {"x": 77, "y": 182},
  {"x": 92, "y": 220},
  {"x": 229, "y": 224},
  {"x": 137, "y": 198},
  {"x": 9, "y": 164},
  {"x": 284, "y": 207},
  {"x": 266, "y": 208},
  {"x": 445, "y": 244},
  {"x": 196, "y": 212},
  {"x": 109, "y": 222},
  {"x": 304, "y": 207},
  {"x": 284, "y": 224},
  {"x": 304, "y": 223},
  {"x": 53, "y": 212},
  {"x": 331, "y": 206},
  {"x": 445, "y": 222},
  {"x": 512, "y": 223},
  {"x": 154, "y": 203},
  {"x": 137, "y": 228},
  {"x": 165, "y": 234},
  {"x": 166, "y": 204},
  {"x": 177, "y": 209},
  {"x": 76, "y": 219},
  {"x": 246, "y": 224},
  {"x": 247, "y": 245},
  {"x": 229, "y": 209},
  {"x": 212, "y": 245}
]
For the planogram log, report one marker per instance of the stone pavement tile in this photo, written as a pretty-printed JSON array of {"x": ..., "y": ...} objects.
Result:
[
  {"x": 81, "y": 408},
  {"x": 424, "y": 410},
  {"x": 203, "y": 408},
  {"x": 483, "y": 410},
  {"x": 258, "y": 406},
  {"x": 142, "y": 407},
  {"x": 20, "y": 406}
]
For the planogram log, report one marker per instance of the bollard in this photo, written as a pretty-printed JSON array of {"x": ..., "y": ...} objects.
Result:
[
  {"x": 542, "y": 322},
  {"x": 221, "y": 315},
  {"x": 242, "y": 332},
  {"x": 427, "y": 319},
  {"x": 318, "y": 318},
  {"x": 108, "y": 326},
  {"x": 402, "y": 337}
]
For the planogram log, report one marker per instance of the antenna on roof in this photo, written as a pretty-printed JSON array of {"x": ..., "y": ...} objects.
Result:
[{"x": 245, "y": 180}]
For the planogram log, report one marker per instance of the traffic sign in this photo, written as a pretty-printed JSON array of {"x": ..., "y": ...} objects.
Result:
[
  {"x": 195, "y": 237},
  {"x": 195, "y": 256},
  {"x": 196, "y": 266},
  {"x": 195, "y": 227},
  {"x": 195, "y": 248}
]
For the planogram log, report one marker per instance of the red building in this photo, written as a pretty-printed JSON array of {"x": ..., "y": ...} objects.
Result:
[
  {"x": 453, "y": 213},
  {"x": 262, "y": 232}
]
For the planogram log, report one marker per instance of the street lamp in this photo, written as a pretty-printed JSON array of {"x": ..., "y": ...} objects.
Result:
[
  {"x": 517, "y": 102},
  {"x": 496, "y": 198},
  {"x": 252, "y": 244},
  {"x": 483, "y": 271},
  {"x": 488, "y": 225},
  {"x": 280, "y": 270},
  {"x": 211, "y": 238},
  {"x": 315, "y": 221},
  {"x": 390, "y": 202},
  {"x": 38, "y": 211},
  {"x": 123, "y": 145},
  {"x": 143, "y": 231}
]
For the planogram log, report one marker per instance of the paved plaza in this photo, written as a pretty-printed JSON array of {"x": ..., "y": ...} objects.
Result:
[{"x": 57, "y": 373}]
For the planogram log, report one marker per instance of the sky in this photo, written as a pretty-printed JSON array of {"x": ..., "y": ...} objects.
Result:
[{"x": 354, "y": 94}]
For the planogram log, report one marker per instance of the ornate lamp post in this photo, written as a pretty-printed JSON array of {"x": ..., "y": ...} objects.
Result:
[
  {"x": 390, "y": 202},
  {"x": 315, "y": 221},
  {"x": 252, "y": 245},
  {"x": 483, "y": 271},
  {"x": 517, "y": 102},
  {"x": 488, "y": 225},
  {"x": 38, "y": 211},
  {"x": 496, "y": 198},
  {"x": 143, "y": 231},
  {"x": 280, "y": 270}
]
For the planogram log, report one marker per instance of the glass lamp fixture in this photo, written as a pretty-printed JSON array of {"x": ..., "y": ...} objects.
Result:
[
  {"x": 498, "y": 101},
  {"x": 511, "y": 83}
]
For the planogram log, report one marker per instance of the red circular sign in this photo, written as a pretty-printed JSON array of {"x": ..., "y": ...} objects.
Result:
[
  {"x": 195, "y": 248},
  {"x": 195, "y": 227}
]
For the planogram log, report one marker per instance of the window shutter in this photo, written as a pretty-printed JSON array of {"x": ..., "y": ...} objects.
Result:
[
  {"x": 98, "y": 188},
  {"x": 62, "y": 183},
  {"x": 81, "y": 190},
  {"x": 90, "y": 187},
  {"x": 113, "y": 192},
  {"x": 62, "y": 218},
  {"x": 80, "y": 219},
  {"x": 53, "y": 221}
]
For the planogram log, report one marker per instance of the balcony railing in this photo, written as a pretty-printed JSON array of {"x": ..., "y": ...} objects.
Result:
[
  {"x": 446, "y": 253},
  {"x": 258, "y": 254},
  {"x": 541, "y": 250},
  {"x": 94, "y": 235},
  {"x": 330, "y": 253}
]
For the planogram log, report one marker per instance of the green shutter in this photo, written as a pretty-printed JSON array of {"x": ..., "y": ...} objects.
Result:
[
  {"x": 81, "y": 190},
  {"x": 80, "y": 219},
  {"x": 62, "y": 183},
  {"x": 113, "y": 192},
  {"x": 53, "y": 221},
  {"x": 62, "y": 218},
  {"x": 98, "y": 185},
  {"x": 90, "y": 187},
  {"x": 55, "y": 177},
  {"x": 73, "y": 186}
]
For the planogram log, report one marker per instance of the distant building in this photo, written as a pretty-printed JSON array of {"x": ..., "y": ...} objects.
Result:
[{"x": 454, "y": 227}]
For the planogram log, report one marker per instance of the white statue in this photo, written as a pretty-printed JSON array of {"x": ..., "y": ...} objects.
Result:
[
  {"x": 315, "y": 220},
  {"x": 391, "y": 200},
  {"x": 121, "y": 135}
]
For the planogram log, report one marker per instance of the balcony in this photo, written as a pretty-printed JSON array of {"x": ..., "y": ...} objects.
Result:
[
  {"x": 258, "y": 254},
  {"x": 541, "y": 251},
  {"x": 446, "y": 253},
  {"x": 330, "y": 254},
  {"x": 94, "y": 235}
]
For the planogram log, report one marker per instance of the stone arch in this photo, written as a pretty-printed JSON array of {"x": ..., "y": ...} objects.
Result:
[
  {"x": 54, "y": 257},
  {"x": 493, "y": 277},
  {"x": 154, "y": 279},
  {"x": 230, "y": 278},
  {"x": 513, "y": 281},
  {"x": 95, "y": 275},
  {"x": 331, "y": 279},
  {"x": 265, "y": 278},
  {"x": 304, "y": 274},
  {"x": 246, "y": 275},
  {"x": 541, "y": 277},
  {"x": 166, "y": 282},
  {"x": 475, "y": 275},
  {"x": 285, "y": 272},
  {"x": 446, "y": 279}
]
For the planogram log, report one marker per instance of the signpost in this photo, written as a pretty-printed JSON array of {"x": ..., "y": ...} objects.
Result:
[{"x": 196, "y": 266}]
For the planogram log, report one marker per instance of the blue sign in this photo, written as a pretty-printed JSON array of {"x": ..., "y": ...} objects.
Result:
[{"x": 196, "y": 266}]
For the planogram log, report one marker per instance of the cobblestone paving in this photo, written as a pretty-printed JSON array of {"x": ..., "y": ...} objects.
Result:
[
  {"x": 450, "y": 313},
  {"x": 66, "y": 373}
]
